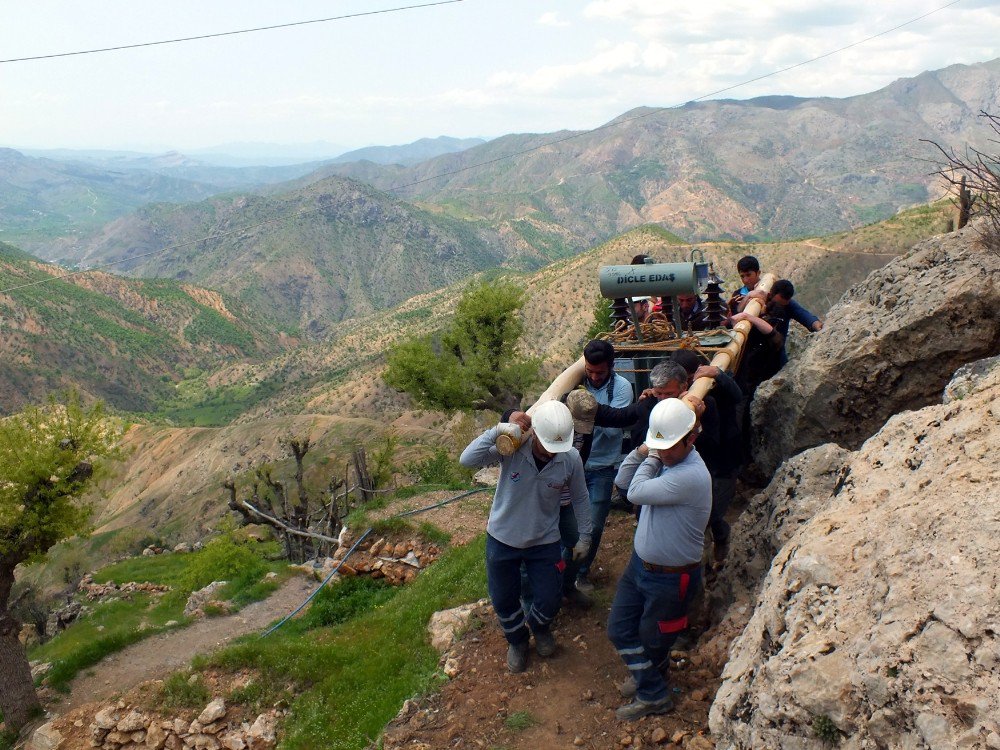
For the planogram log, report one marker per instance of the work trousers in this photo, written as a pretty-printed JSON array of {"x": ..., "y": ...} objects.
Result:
[
  {"x": 647, "y": 615},
  {"x": 599, "y": 484},
  {"x": 543, "y": 565},
  {"x": 723, "y": 489},
  {"x": 569, "y": 535}
]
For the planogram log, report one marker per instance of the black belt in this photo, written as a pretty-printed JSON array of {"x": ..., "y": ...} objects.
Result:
[{"x": 670, "y": 569}]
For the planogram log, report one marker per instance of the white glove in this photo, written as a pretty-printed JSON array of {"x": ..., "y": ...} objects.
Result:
[{"x": 581, "y": 549}]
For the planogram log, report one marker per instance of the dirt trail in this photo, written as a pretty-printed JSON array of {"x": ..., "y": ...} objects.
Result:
[
  {"x": 158, "y": 656},
  {"x": 567, "y": 701}
]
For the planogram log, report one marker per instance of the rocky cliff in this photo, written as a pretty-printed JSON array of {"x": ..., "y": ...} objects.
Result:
[
  {"x": 891, "y": 343},
  {"x": 877, "y": 624},
  {"x": 862, "y": 584}
]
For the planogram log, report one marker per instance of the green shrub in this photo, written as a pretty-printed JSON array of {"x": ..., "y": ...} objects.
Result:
[
  {"x": 826, "y": 730},
  {"x": 346, "y": 599},
  {"x": 224, "y": 559},
  {"x": 440, "y": 468}
]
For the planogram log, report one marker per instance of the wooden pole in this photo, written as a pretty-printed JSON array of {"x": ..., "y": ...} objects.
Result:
[{"x": 729, "y": 356}]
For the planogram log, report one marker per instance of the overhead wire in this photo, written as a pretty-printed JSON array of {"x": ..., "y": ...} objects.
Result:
[
  {"x": 552, "y": 142},
  {"x": 228, "y": 33}
]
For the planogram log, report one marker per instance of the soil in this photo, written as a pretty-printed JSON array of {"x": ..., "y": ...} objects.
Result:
[
  {"x": 566, "y": 701},
  {"x": 156, "y": 657}
]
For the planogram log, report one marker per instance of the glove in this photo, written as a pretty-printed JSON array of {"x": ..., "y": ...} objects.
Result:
[
  {"x": 581, "y": 549},
  {"x": 583, "y": 406}
]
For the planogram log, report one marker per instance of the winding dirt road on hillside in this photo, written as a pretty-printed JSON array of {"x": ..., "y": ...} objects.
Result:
[{"x": 160, "y": 655}]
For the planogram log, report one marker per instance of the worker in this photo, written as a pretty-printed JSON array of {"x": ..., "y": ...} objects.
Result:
[
  {"x": 718, "y": 443},
  {"x": 667, "y": 478},
  {"x": 748, "y": 267},
  {"x": 610, "y": 389},
  {"x": 523, "y": 526}
]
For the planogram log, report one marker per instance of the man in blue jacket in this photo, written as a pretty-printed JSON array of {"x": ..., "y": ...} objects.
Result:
[
  {"x": 610, "y": 389},
  {"x": 523, "y": 526}
]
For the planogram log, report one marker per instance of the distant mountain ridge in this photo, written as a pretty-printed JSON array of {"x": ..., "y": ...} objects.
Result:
[
  {"x": 334, "y": 249},
  {"x": 411, "y": 153},
  {"x": 766, "y": 168}
]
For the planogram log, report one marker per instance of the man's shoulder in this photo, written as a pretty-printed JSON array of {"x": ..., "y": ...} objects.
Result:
[{"x": 694, "y": 463}]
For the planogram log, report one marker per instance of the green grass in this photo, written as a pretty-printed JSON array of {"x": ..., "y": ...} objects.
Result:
[
  {"x": 520, "y": 720},
  {"x": 350, "y": 679},
  {"x": 114, "y": 625},
  {"x": 184, "y": 690},
  {"x": 258, "y": 695},
  {"x": 347, "y": 599}
]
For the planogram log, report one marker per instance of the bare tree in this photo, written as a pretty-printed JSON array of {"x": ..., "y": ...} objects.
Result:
[
  {"x": 307, "y": 525},
  {"x": 974, "y": 178}
]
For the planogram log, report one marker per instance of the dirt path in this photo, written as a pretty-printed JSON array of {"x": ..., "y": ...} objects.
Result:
[
  {"x": 158, "y": 656},
  {"x": 567, "y": 701}
]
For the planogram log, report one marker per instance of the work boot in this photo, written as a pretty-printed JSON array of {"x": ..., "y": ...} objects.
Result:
[
  {"x": 577, "y": 598},
  {"x": 517, "y": 657},
  {"x": 545, "y": 644},
  {"x": 583, "y": 584},
  {"x": 628, "y": 688},
  {"x": 639, "y": 708}
]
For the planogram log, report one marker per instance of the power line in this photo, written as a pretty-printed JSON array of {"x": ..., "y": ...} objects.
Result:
[
  {"x": 229, "y": 33},
  {"x": 488, "y": 162}
]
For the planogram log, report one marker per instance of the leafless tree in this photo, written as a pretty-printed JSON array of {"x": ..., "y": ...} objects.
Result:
[
  {"x": 974, "y": 178},
  {"x": 307, "y": 525}
]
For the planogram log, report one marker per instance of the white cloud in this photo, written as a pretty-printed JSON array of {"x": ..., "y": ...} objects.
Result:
[{"x": 552, "y": 19}]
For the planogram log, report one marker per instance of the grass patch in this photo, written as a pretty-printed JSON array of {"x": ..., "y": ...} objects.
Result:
[
  {"x": 431, "y": 533},
  {"x": 346, "y": 599},
  {"x": 257, "y": 695},
  {"x": 114, "y": 625},
  {"x": 519, "y": 721},
  {"x": 352, "y": 678},
  {"x": 184, "y": 690}
]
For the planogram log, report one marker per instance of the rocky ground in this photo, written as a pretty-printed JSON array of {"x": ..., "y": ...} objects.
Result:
[{"x": 567, "y": 701}]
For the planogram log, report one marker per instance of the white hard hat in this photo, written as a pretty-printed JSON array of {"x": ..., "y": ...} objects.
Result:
[
  {"x": 670, "y": 421},
  {"x": 553, "y": 425}
]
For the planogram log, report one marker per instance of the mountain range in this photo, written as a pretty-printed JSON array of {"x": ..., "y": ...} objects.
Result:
[{"x": 763, "y": 169}]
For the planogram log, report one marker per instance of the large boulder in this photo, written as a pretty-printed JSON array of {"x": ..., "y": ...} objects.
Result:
[
  {"x": 890, "y": 344},
  {"x": 878, "y": 622}
]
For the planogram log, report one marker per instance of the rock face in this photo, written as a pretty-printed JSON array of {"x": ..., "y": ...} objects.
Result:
[
  {"x": 878, "y": 623},
  {"x": 891, "y": 343}
]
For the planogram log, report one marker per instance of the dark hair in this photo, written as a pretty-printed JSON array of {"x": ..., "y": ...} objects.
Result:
[
  {"x": 597, "y": 352},
  {"x": 748, "y": 263},
  {"x": 784, "y": 288},
  {"x": 639, "y": 260},
  {"x": 687, "y": 359}
]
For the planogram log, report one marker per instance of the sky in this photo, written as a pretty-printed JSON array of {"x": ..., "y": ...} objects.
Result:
[{"x": 473, "y": 68}]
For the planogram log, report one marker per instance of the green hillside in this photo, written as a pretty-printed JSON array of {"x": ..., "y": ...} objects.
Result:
[{"x": 127, "y": 342}]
